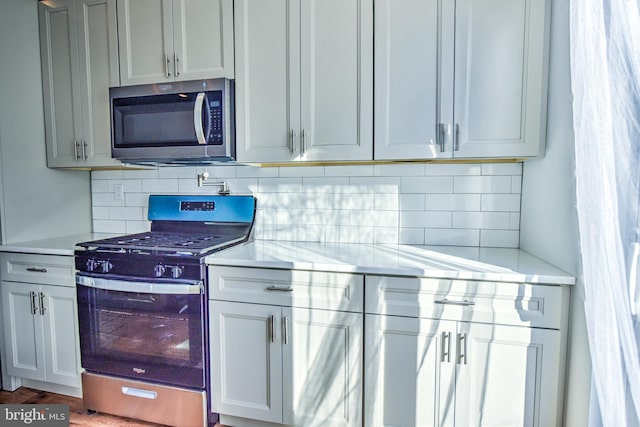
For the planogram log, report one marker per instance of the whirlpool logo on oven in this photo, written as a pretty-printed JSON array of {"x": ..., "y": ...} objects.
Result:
[
  {"x": 139, "y": 370},
  {"x": 34, "y": 415}
]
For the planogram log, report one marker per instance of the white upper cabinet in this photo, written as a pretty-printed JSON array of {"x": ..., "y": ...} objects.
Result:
[
  {"x": 304, "y": 83},
  {"x": 166, "y": 40},
  {"x": 464, "y": 79},
  {"x": 78, "y": 47}
]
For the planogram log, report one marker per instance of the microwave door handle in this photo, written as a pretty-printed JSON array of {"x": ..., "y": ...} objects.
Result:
[{"x": 197, "y": 118}]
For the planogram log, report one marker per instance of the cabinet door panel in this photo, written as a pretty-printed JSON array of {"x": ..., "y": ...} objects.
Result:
[
  {"x": 203, "y": 38},
  {"x": 408, "y": 371},
  {"x": 267, "y": 69},
  {"x": 60, "y": 321},
  {"x": 323, "y": 368},
  {"x": 246, "y": 360},
  {"x": 336, "y": 79},
  {"x": 145, "y": 39},
  {"x": 23, "y": 332},
  {"x": 406, "y": 79},
  {"x": 58, "y": 49},
  {"x": 508, "y": 377},
  {"x": 499, "y": 77}
]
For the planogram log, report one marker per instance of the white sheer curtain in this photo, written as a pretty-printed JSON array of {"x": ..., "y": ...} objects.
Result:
[{"x": 605, "y": 73}]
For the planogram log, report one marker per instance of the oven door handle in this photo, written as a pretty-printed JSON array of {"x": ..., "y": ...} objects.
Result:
[{"x": 195, "y": 287}]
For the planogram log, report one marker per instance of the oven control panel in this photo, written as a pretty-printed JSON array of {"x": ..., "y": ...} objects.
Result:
[{"x": 165, "y": 270}]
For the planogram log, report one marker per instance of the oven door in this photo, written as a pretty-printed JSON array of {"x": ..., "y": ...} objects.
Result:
[{"x": 151, "y": 331}]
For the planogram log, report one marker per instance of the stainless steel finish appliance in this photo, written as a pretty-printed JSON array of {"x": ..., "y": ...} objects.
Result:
[
  {"x": 142, "y": 307},
  {"x": 173, "y": 122}
]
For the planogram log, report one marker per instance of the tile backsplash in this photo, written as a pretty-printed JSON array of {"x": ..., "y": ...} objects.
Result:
[{"x": 413, "y": 203}]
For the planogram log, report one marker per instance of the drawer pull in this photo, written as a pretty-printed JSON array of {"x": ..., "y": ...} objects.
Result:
[
  {"x": 37, "y": 269},
  {"x": 279, "y": 289},
  {"x": 137, "y": 392},
  {"x": 465, "y": 303}
]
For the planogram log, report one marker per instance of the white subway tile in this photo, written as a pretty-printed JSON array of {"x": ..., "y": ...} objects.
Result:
[
  {"x": 516, "y": 184},
  {"x": 178, "y": 172},
  {"x": 325, "y": 185},
  {"x": 137, "y": 226},
  {"x": 242, "y": 185},
  {"x": 385, "y": 235},
  {"x": 457, "y": 169},
  {"x": 141, "y": 174},
  {"x": 385, "y": 202},
  {"x": 247, "y": 171},
  {"x": 453, "y": 202},
  {"x": 126, "y": 213},
  {"x": 348, "y": 171},
  {"x": 482, "y": 184},
  {"x": 499, "y": 238},
  {"x": 482, "y": 220},
  {"x": 100, "y": 212},
  {"x": 452, "y": 237},
  {"x": 412, "y": 202},
  {"x": 501, "y": 202},
  {"x": 415, "y": 219},
  {"x": 343, "y": 201},
  {"x": 421, "y": 185},
  {"x": 301, "y": 233},
  {"x": 370, "y": 184},
  {"x": 514, "y": 221},
  {"x": 301, "y": 171},
  {"x": 279, "y": 185},
  {"x": 100, "y": 186},
  {"x": 105, "y": 199},
  {"x": 411, "y": 236},
  {"x": 160, "y": 186},
  {"x": 106, "y": 174},
  {"x": 416, "y": 169},
  {"x": 108, "y": 226},
  {"x": 374, "y": 218},
  {"x": 191, "y": 186},
  {"x": 349, "y": 234},
  {"x": 136, "y": 199},
  {"x": 502, "y": 169}
]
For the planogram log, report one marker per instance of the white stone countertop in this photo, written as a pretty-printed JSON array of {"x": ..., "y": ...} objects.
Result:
[
  {"x": 450, "y": 262},
  {"x": 63, "y": 245}
]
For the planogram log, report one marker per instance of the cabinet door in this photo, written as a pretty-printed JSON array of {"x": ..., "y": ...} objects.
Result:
[
  {"x": 507, "y": 376},
  {"x": 203, "y": 39},
  {"x": 57, "y": 308},
  {"x": 22, "y": 331},
  {"x": 145, "y": 41},
  {"x": 336, "y": 51},
  {"x": 267, "y": 80},
  {"x": 60, "y": 71},
  {"x": 500, "y": 77},
  {"x": 407, "y": 60},
  {"x": 322, "y": 360},
  {"x": 98, "y": 61},
  {"x": 409, "y": 367},
  {"x": 246, "y": 360}
]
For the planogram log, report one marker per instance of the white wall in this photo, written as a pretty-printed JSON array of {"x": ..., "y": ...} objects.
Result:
[
  {"x": 436, "y": 204},
  {"x": 36, "y": 202},
  {"x": 549, "y": 227}
]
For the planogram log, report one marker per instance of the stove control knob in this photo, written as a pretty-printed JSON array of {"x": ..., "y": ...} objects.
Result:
[
  {"x": 107, "y": 266},
  {"x": 176, "y": 271},
  {"x": 91, "y": 264},
  {"x": 159, "y": 270}
]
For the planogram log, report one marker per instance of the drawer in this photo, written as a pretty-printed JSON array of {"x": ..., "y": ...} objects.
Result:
[
  {"x": 461, "y": 300},
  {"x": 291, "y": 288},
  {"x": 33, "y": 268}
]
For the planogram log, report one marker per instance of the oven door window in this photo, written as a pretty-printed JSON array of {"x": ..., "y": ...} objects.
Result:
[{"x": 158, "y": 337}]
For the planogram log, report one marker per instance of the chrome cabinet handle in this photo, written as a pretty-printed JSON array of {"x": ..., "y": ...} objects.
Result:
[
  {"x": 292, "y": 136},
  {"x": 83, "y": 145},
  {"x": 440, "y": 137},
  {"x": 456, "y": 140},
  {"x": 285, "y": 327},
  {"x": 302, "y": 148},
  {"x": 167, "y": 63},
  {"x": 37, "y": 269},
  {"x": 446, "y": 347},
  {"x": 75, "y": 150},
  {"x": 445, "y": 301},
  {"x": 34, "y": 308},
  {"x": 462, "y": 349},
  {"x": 176, "y": 62},
  {"x": 279, "y": 289},
  {"x": 272, "y": 334},
  {"x": 42, "y": 307}
]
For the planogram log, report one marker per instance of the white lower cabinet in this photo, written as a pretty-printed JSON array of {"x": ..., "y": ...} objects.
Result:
[
  {"x": 41, "y": 332},
  {"x": 283, "y": 365},
  {"x": 426, "y": 372}
]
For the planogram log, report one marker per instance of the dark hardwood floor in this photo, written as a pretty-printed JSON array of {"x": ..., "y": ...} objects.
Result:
[{"x": 77, "y": 415}]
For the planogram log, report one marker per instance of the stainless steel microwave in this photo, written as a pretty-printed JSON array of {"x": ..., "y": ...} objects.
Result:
[{"x": 173, "y": 122}]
